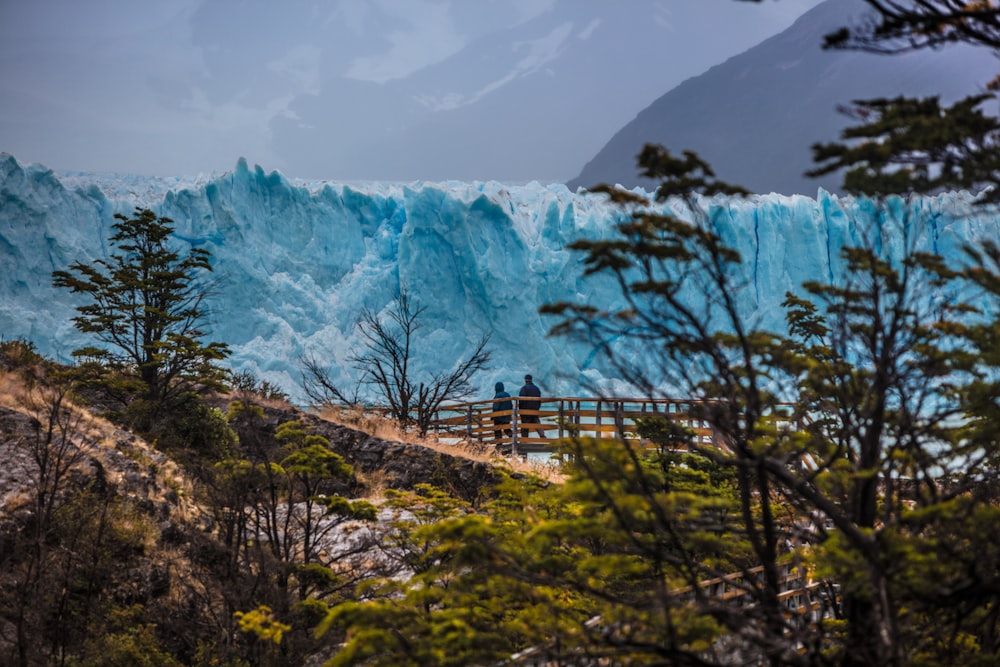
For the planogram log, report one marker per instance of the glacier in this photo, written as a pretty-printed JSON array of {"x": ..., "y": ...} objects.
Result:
[{"x": 295, "y": 262}]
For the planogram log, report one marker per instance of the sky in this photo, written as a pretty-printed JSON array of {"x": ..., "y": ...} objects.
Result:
[{"x": 399, "y": 90}]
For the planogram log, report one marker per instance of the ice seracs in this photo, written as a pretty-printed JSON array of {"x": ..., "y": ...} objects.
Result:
[{"x": 295, "y": 262}]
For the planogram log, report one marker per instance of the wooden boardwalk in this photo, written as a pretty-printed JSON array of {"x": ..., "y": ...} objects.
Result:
[{"x": 561, "y": 417}]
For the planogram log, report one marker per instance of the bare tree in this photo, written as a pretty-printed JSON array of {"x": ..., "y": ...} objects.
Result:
[
  {"x": 386, "y": 365},
  {"x": 320, "y": 388},
  {"x": 53, "y": 566}
]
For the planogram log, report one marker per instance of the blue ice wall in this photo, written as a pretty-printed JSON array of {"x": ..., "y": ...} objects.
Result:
[{"x": 296, "y": 262}]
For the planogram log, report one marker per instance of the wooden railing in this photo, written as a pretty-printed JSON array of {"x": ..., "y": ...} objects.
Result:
[{"x": 559, "y": 417}]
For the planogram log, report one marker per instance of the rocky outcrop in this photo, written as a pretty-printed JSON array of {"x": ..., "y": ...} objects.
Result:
[{"x": 396, "y": 465}]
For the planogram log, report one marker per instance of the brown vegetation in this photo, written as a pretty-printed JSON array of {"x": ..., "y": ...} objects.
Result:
[{"x": 84, "y": 500}]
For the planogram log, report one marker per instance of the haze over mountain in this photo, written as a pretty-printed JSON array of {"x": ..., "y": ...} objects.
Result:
[
  {"x": 755, "y": 116},
  {"x": 400, "y": 90}
]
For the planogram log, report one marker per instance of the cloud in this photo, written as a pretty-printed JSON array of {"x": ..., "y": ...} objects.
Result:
[
  {"x": 662, "y": 16},
  {"x": 589, "y": 30},
  {"x": 301, "y": 65},
  {"x": 429, "y": 36}
]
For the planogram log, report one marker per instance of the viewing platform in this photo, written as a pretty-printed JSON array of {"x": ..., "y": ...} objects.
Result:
[{"x": 560, "y": 417}]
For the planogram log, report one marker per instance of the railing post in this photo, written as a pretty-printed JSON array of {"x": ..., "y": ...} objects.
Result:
[
  {"x": 620, "y": 419},
  {"x": 468, "y": 422},
  {"x": 514, "y": 419},
  {"x": 562, "y": 416},
  {"x": 597, "y": 421}
]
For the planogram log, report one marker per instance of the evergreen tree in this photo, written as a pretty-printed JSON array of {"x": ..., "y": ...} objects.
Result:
[
  {"x": 471, "y": 588},
  {"x": 907, "y": 25},
  {"x": 881, "y": 481},
  {"x": 283, "y": 521},
  {"x": 884, "y": 456},
  {"x": 146, "y": 306},
  {"x": 905, "y": 145}
]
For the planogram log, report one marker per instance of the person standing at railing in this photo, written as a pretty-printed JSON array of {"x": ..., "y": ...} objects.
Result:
[
  {"x": 501, "y": 406},
  {"x": 530, "y": 389}
]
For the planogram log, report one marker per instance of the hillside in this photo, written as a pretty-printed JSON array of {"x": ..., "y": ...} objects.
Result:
[{"x": 102, "y": 534}]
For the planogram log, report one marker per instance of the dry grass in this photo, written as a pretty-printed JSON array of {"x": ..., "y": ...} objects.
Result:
[
  {"x": 386, "y": 429},
  {"x": 11, "y": 387},
  {"x": 97, "y": 437},
  {"x": 375, "y": 483}
]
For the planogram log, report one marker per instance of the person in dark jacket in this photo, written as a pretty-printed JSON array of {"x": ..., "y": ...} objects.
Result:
[
  {"x": 530, "y": 389},
  {"x": 501, "y": 406}
]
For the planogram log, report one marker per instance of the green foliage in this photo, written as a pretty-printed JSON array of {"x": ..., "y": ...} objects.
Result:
[
  {"x": 858, "y": 442},
  {"x": 204, "y": 429},
  {"x": 246, "y": 382},
  {"x": 192, "y": 430},
  {"x": 245, "y": 410},
  {"x": 19, "y": 353},
  {"x": 653, "y": 525},
  {"x": 462, "y": 602},
  {"x": 145, "y": 308},
  {"x": 280, "y": 508},
  {"x": 881, "y": 478},
  {"x": 126, "y": 641},
  {"x": 261, "y": 623},
  {"x": 571, "y": 568},
  {"x": 906, "y": 145}
]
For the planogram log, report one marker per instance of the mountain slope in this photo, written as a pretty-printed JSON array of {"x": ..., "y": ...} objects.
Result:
[
  {"x": 540, "y": 98},
  {"x": 387, "y": 90},
  {"x": 754, "y": 117},
  {"x": 102, "y": 532}
]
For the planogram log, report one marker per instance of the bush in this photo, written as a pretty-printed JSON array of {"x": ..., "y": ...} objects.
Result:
[
  {"x": 130, "y": 644},
  {"x": 201, "y": 429},
  {"x": 247, "y": 383},
  {"x": 18, "y": 353}
]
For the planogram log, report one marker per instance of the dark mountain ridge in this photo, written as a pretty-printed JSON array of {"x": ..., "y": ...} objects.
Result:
[{"x": 755, "y": 116}]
